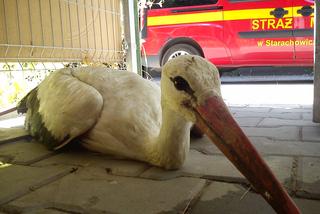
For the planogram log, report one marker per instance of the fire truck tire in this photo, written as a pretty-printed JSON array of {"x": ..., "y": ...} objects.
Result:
[{"x": 178, "y": 50}]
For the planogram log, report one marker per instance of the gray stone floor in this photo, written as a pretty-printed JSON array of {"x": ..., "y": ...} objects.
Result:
[{"x": 35, "y": 180}]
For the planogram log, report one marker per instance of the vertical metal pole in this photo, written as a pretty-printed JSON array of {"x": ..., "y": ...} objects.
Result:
[
  {"x": 131, "y": 32},
  {"x": 316, "y": 99}
]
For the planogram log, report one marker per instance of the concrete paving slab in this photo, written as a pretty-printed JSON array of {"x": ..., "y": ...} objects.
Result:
[
  {"x": 215, "y": 167},
  {"x": 276, "y": 122},
  {"x": 204, "y": 146},
  {"x": 85, "y": 158},
  {"x": 309, "y": 178},
  {"x": 265, "y": 146},
  {"x": 275, "y": 106},
  {"x": 50, "y": 208},
  {"x": 282, "y": 168},
  {"x": 32, "y": 210},
  {"x": 311, "y": 133},
  {"x": 285, "y": 110},
  {"x": 307, "y": 116},
  {"x": 231, "y": 198},
  {"x": 248, "y": 121},
  {"x": 307, "y": 106},
  {"x": 220, "y": 168},
  {"x": 285, "y": 148},
  {"x": 16, "y": 181},
  {"x": 92, "y": 189},
  {"x": 278, "y": 133},
  {"x": 250, "y": 109},
  {"x": 24, "y": 152},
  {"x": 286, "y": 115},
  {"x": 308, "y": 206},
  {"x": 236, "y": 105},
  {"x": 45, "y": 211},
  {"x": 12, "y": 134}
]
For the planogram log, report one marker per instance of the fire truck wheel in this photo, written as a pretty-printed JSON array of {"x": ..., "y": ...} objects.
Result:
[{"x": 178, "y": 50}]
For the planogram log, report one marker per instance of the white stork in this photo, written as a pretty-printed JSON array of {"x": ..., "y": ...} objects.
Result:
[{"x": 122, "y": 114}]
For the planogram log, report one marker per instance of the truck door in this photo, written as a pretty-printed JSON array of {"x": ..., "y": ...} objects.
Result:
[
  {"x": 259, "y": 32},
  {"x": 303, "y": 16}
]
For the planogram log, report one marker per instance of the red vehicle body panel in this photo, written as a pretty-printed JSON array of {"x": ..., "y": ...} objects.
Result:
[
  {"x": 303, "y": 47},
  {"x": 233, "y": 33}
]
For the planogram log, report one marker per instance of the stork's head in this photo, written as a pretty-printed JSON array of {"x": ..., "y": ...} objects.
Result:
[
  {"x": 186, "y": 81},
  {"x": 191, "y": 86}
]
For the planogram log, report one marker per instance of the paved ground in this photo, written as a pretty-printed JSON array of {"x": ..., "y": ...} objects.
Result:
[
  {"x": 35, "y": 180},
  {"x": 277, "y": 118}
]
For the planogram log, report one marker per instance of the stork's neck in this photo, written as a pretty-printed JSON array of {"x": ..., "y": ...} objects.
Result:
[{"x": 173, "y": 142}]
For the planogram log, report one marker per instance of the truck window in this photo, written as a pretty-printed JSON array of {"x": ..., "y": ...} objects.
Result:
[{"x": 180, "y": 3}]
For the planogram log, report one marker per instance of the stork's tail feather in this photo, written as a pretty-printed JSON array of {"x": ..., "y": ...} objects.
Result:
[
  {"x": 22, "y": 105},
  {"x": 34, "y": 122}
]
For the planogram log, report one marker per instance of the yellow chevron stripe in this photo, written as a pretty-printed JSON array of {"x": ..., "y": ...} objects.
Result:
[
  {"x": 185, "y": 18},
  {"x": 263, "y": 13},
  {"x": 214, "y": 16},
  {"x": 295, "y": 11}
]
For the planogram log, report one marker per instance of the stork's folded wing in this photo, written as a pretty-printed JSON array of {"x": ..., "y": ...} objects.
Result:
[{"x": 62, "y": 108}]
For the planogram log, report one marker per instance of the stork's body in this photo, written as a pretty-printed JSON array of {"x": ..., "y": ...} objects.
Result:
[
  {"x": 115, "y": 112},
  {"x": 120, "y": 113}
]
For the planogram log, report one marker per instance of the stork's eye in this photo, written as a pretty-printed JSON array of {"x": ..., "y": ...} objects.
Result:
[{"x": 181, "y": 84}]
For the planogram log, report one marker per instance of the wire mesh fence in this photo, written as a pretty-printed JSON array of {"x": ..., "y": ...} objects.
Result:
[
  {"x": 39, "y": 36},
  {"x": 60, "y": 31}
]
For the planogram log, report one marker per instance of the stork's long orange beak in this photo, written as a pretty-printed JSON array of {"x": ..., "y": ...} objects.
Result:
[{"x": 215, "y": 120}]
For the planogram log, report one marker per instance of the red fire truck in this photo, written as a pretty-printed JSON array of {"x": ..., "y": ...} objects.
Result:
[{"x": 230, "y": 33}]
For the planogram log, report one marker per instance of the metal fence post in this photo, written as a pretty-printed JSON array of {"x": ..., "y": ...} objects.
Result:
[
  {"x": 316, "y": 101},
  {"x": 131, "y": 33}
]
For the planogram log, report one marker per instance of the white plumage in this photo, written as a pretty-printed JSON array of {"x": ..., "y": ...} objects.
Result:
[{"x": 122, "y": 114}]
